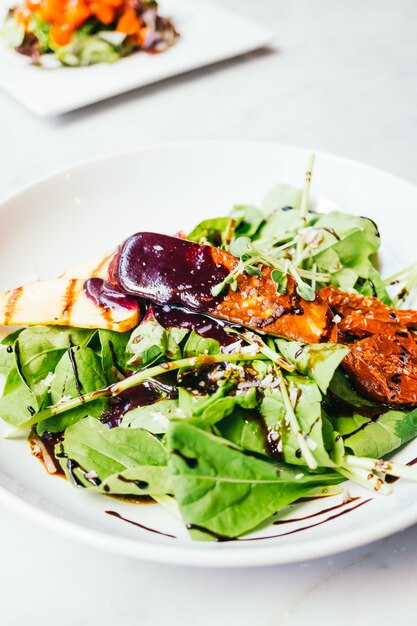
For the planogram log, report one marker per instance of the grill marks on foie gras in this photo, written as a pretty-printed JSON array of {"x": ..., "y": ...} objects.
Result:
[{"x": 62, "y": 302}]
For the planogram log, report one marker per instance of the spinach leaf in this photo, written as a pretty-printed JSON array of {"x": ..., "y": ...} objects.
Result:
[
  {"x": 341, "y": 390},
  {"x": 210, "y": 409},
  {"x": 150, "y": 341},
  {"x": 282, "y": 196},
  {"x": 142, "y": 480},
  {"x": 113, "y": 354},
  {"x": 38, "y": 350},
  {"x": 280, "y": 226},
  {"x": 225, "y": 491},
  {"x": 154, "y": 417},
  {"x": 384, "y": 435},
  {"x": 197, "y": 345},
  {"x": 216, "y": 232},
  {"x": 245, "y": 428},
  {"x": 306, "y": 399},
  {"x": 78, "y": 372},
  {"x": 248, "y": 219},
  {"x": 108, "y": 452},
  {"x": 18, "y": 403},
  {"x": 317, "y": 361},
  {"x": 129, "y": 463},
  {"x": 7, "y": 358}
]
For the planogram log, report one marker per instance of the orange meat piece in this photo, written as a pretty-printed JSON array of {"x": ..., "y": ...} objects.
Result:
[
  {"x": 383, "y": 358},
  {"x": 385, "y": 368},
  {"x": 366, "y": 315},
  {"x": 257, "y": 305}
]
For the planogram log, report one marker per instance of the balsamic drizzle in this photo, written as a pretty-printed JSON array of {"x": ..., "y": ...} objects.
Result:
[
  {"x": 75, "y": 371},
  {"x": 297, "y": 530},
  {"x": 190, "y": 461},
  {"x": 129, "y": 521}
]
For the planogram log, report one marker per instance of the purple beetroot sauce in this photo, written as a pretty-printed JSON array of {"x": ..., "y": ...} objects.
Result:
[
  {"x": 205, "y": 326},
  {"x": 167, "y": 270},
  {"x": 107, "y": 296}
]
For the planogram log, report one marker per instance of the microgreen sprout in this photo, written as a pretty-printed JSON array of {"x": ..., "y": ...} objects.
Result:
[
  {"x": 407, "y": 279},
  {"x": 135, "y": 380},
  {"x": 304, "y": 207},
  {"x": 251, "y": 255},
  {"x": 253, "y": 339},
  {"x": 280, "y": 364}
]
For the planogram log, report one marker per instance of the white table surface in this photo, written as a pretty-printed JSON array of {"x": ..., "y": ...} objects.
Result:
[{"x": 340, "y": 77}]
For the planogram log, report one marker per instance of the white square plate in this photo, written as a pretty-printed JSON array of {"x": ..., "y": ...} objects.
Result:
[{"x": 208, "y": 34}]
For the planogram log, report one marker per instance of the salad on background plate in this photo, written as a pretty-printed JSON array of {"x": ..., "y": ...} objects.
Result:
[
  {"x": 85, "y": 32},
  {"x": 228, "y": 372}
]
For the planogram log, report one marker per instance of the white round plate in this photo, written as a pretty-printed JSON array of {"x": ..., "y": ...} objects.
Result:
[{"x": 89, "y": 209}]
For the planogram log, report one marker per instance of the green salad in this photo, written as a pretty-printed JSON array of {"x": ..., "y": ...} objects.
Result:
[{"x": 225, "y": 423}]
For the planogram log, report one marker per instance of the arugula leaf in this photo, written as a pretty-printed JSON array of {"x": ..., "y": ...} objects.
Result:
[
  {"x": 113, "y": 354},
  {"x": 78, "y": 372},
  {"x": 227, "y": 492},
  {"x": 317, "y": 361}
]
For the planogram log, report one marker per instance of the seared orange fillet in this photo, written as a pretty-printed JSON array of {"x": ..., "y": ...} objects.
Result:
[{"x": 383, "y": 352}]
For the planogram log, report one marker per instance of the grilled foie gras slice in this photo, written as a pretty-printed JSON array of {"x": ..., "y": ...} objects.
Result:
[
  {"x": 174, "y": 271},
  {"x": 66, "y": 302}
]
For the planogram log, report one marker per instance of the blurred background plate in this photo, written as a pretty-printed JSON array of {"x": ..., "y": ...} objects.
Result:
[{"x": 208, "y": 34}]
